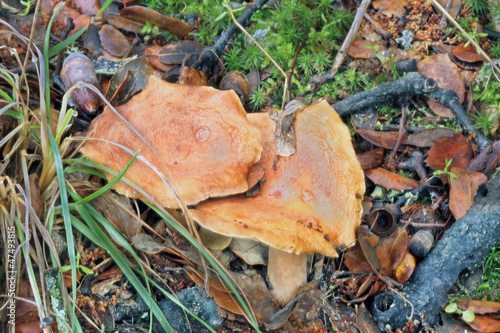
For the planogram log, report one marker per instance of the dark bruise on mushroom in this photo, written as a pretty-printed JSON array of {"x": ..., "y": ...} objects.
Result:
[
  {"x": 201, "y": 134},
  {"x": 310, "y": 203}
]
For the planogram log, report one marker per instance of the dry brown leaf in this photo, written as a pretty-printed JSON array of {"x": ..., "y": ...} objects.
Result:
[
  {"x": 463, "y": 189},
  {"x": 485, "y": 324},
  {"x": 426, "y": 137},
  {"x": 391, "y": 8},
  {"x": 478, "y": 306},
  {"x": 142, "y": 14},
  {"x": 390, "y": 180},
  {"x": 456, "y": 147},
  {"x": 487, "y": 160},
  {"x": 113, "y": 41},
  {"x": 361, "y": 49},
  {"x": 382, "y": 139},
  {"x": 371, "y": 159}
]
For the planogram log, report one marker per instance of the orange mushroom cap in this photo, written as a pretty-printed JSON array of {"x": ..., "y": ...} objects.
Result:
[
  {"x": 311, "y": 202},
  {"x": 201, "y": 135}
]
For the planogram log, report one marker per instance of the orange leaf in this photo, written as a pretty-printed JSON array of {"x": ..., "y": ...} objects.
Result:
[
  {"x": 371, "y": 159},
  {"x": 478, "y": 306},
  {"x": 381, "y": 139},
  {"x": 485, "y": 324},
  {"x": 463, "y": 189},
  {"x": 456, "y": 147},
  {"x": 390, "y": 180}
]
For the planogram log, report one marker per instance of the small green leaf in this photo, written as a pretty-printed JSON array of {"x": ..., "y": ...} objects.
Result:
[
  {"x": 451, "y": 308},
  {"x": 468, "y": 316}
]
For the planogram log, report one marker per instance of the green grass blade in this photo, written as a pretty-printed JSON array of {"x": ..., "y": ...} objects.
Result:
[
  {"x": 67, "y": 225},
  {"x": 108, "y": 185}
]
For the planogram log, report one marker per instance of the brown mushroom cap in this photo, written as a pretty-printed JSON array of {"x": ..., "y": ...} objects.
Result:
[
  {"x": 311, "y": 202},
  {"x": 201, "y": 134}
]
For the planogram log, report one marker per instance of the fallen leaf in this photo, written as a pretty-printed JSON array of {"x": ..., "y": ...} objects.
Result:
[
  {"x": 250, "y": 251},
  {"x": 426, "y": 137},
  {"x": 478, "y": 306},
  {"x": 391, "y": 8},
  {"x": 463, "y": 189},
  {"x": 113, "y": 41},
  {"x": 382, "y": 139},
  {"x": 142, "y": 14},
  {"x": 485, "y": 324},
  {"x": 371, "y": 159},
  {"x": 456, "y": 147},
  {"x": 390, "y": 180},
  {"x": 175, "y": 53},
  {"x": 487, "y": 160},
  {"x": 391, "y": 250},
  {"x": 405, "y": 268},
  {"x": 361, "y": 49}
]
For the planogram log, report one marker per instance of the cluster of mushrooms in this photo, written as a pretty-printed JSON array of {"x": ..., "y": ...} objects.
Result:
[{"x": 310, "y": 202}]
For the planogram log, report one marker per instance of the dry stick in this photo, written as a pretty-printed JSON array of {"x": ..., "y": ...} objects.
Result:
[
  {"x": 473, "y": 42},
  {"x": 316, "y": 81},
  {"x": 400, "y": 136}
]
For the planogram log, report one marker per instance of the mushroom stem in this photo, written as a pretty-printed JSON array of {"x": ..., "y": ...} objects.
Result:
[{"x": 287, "y": 272}]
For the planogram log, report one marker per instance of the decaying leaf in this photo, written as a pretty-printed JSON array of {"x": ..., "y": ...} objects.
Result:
[
  {"x": 487, "y": 160},
  {"x": 391, "y": 8},
  {"x": 142, "y": 14},
  {"x": 371, "y": 159},
  {"x": 463, "y": 189},
  {"x": 175, "y": 53},
  {"x": 284, "y": 132},
  {"x": 361, "y": 49},
  {"x": 113, "y": 41},
  {"x": 456, "y": 148},
  {"x": 426, "y": 137},
  {"x": 382, "y": 139},
  {"x": 390, "y": 180}
]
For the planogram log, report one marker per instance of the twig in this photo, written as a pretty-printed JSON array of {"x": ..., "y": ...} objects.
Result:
[
  {"x": 316, "y": 81},
  {"x": 401, "y": 132}
]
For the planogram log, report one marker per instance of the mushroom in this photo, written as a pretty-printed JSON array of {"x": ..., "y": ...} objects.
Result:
[
  {"x": 202, "y": 136},
  {"x": 310, "y": 203}
]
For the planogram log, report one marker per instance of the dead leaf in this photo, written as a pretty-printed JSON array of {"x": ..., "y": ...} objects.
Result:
[
  {"x": 119, "y": 212},
  {"x": 456, "y": 147},
  {"x": 485, "y": 324},
  {"x": 405, "y": 268},
  {"x": 467, "y": 54},
  {"x": 478, "y": 306},
  {"x": 142, "y": 14},
  {"x": 152, "y": 53},
  {"x": 390, "y": 180},
  {"x": 440, "y": 68},
  {"x": 113, "y": 41},
  {"x": 175, "y": 53},
  {"x": 426, "y": 137},
  {"x": 391, "y": 250},
  {"x": 250, "y": 251},
  {"x": 463, "y": 189},
  {"x": 391, "y": 8},
  {"x": 487, "y": 160},
  {"x": 455, "y": 6},
  {"x": 284, "y": 133},
  {"x": 361, "y": 49},
  {"x": 193, "y": 77},
  {"x": 371, "y": 159},
  {"x": 128, "y": 80},
  {"x": 382, "y": 139}
]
